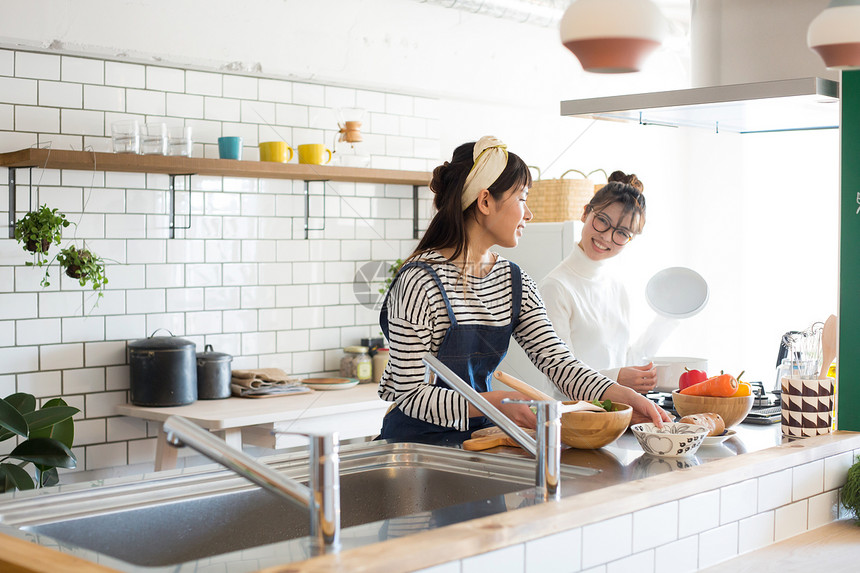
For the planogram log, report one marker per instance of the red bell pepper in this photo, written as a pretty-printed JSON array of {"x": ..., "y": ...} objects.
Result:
[{"x": 690, "y": 377}]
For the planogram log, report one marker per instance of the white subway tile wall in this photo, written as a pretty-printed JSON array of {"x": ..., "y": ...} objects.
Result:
[{"x": 239, "y": 278}]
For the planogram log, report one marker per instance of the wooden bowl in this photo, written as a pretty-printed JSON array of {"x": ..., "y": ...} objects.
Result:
[
  {"x": 733, "y": 410},
  {"x": 592, "y": 430}
]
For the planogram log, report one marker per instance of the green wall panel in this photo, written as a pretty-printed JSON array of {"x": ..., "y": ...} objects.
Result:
[{"x": 849, "y": 256}]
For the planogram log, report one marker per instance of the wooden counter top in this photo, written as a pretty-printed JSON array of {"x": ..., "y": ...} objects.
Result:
[{"x": 239, "y": 412}]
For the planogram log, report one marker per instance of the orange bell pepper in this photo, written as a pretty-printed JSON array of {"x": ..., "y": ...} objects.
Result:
[
  {"x": 744, "y": 389},
  {"x": 724, "y": 385}
]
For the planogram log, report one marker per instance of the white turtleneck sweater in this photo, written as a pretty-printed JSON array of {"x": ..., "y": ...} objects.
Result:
[{"x": 590, "y": 311}]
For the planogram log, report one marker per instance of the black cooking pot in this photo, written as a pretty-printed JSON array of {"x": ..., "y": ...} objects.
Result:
[
  {"x": 213, "y": 374},
  {"x": 163, "y": 371}
]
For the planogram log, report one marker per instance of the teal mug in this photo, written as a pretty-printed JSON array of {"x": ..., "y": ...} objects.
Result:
[{"x": 230, "y": 147}]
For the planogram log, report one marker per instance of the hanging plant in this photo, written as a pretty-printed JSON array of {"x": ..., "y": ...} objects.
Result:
[
  {"x": 83, "y": 266},
  {"x": 393, "y": 269},
  {"x": 38, "y": 230}
]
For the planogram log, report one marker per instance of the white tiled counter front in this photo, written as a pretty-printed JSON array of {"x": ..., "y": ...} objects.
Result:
[{"x": 673, "y": 522}]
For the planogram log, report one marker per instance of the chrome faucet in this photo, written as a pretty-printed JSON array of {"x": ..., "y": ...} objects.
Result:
[
  {"x": 321, "y": 497},
  {"x": 546, "y": 448}
]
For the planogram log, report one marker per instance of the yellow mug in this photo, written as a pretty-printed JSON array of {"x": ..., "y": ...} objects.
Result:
[
  {"x": 276, "y": 151},
  {"x": 313, "y": 153}
]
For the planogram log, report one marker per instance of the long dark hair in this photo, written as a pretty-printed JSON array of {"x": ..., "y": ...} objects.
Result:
[
  {"x": 625, "y": 189},
  {"x": 448, "y": 227}
]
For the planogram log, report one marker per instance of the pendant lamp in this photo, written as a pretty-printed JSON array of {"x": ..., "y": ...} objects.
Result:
[
  {"x": 835, "y": 34},
  {"x": 612, "y": 36}
]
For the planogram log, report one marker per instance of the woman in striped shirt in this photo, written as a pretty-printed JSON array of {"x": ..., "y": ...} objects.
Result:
[{"x": 458, "y": 300}]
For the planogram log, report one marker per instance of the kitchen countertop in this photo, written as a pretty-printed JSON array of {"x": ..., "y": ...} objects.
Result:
[{"x": 617, "y": 490}]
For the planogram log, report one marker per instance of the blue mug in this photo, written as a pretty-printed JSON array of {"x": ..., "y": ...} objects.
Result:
[{"x": 230, "y": 147}]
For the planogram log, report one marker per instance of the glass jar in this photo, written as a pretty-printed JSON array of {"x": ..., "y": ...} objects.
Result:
[
  {"x": 380, "y": 361},
  {"x": 356, "y": 363}
]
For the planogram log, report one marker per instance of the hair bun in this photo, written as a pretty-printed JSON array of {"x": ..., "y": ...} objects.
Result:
[{"x": 631, "y": 180}]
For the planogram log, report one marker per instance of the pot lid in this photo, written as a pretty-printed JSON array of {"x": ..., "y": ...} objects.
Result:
[
  {"x": 160, "y": 343},
  {"x": 210, "y": 355}
]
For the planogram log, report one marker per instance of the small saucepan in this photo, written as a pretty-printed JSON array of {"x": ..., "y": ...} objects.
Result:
[{"x": 213, "y": 374}]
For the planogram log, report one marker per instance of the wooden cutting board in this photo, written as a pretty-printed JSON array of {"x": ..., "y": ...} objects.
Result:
[{"x": 490, "y": 438}]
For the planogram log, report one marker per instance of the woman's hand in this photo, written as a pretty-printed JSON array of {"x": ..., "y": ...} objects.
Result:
[
  {"x": 644, "y": 410},
  {"x": 520, "y": 414},
  {"x": 640, "y": 378}
]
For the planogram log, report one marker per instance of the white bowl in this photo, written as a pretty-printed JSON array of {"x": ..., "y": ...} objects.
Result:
[
  {"x": 670, "y": 368},
  {"x": 673, "y": 440}
]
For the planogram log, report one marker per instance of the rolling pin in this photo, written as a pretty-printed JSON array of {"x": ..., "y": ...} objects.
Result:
[
  {"x": 521, "y": 386},
  {"x": 535, "y": 394}
]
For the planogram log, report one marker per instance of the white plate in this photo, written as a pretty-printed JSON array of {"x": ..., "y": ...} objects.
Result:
[
  {"x": 330, "y": 383},
  {"x": 677, "y": 292},
  {"x": 717, "y": 440}
]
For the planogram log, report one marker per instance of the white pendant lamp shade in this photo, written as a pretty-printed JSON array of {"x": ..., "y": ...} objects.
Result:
[
  {"x": 612, "y": 36},
  {"x": 835, "y": 34}
]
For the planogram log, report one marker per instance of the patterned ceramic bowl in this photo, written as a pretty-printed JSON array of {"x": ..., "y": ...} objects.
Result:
[{"x": 673, "y": 440}]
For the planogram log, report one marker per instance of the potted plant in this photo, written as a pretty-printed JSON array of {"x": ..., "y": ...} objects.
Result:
[
  {"x": 84, "y": 266},
  {"x": 48, "y": 435},
  {"x": 38, "y": 230}
]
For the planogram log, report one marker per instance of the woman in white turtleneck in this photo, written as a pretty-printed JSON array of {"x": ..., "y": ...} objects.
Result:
[{"x": 590, "y": 309}]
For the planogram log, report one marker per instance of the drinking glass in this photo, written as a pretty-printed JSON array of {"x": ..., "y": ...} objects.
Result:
[
  {"x": 125, "y": 136},
  {"x": 154, "y": 140},
  {"x": 179, "y": 141}
]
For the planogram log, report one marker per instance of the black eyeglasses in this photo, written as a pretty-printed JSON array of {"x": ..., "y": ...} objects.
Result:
[{"x": 601, "y": 223}]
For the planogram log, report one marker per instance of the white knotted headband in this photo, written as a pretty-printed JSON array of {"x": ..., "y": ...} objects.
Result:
[{"x": 491, "y": 158}]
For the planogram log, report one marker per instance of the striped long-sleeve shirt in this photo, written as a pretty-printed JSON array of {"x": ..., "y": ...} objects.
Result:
[{"x": 418, "y": 321}]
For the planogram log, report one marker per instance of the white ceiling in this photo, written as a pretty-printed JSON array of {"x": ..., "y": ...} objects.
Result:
[{"x": 548, "y": 12}]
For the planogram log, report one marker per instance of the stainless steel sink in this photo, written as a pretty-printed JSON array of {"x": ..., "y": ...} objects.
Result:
[{"x": 387, "y": 490}]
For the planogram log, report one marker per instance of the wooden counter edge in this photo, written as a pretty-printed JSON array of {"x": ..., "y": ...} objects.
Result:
[{"x": 21, "y": 556}]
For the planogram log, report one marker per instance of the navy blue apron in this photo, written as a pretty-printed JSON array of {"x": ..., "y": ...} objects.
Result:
[{"x": 472, "y": 351}]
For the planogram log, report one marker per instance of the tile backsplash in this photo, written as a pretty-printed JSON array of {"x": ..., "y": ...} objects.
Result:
[{"x": 242, "y": 277}]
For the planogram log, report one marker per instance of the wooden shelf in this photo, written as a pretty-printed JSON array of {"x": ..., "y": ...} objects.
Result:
[{"x": 89, "y": 161}]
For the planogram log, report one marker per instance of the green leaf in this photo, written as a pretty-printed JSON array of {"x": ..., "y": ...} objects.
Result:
[
  {"x": 22, "y": 402},
  {"x": 45, "y": 451},
  {"x": 49, "y": 477},
  {"x": 61, "y": 431},
  {"x": 47, "y": 417},
  {"x": 14, "y": 478},
  {"x": 12, "y": 420}
]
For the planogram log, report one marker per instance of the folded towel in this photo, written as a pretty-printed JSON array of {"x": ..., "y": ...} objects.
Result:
[
  {"x": 279, "y": 390},
  {"x": 261, "y": 377}
]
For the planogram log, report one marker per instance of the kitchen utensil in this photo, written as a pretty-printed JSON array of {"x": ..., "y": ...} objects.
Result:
[
  {"x": 828, "y": 344},
  {"x": 670, "y": 368},
  {"x": 312, "y": 153},
  {"x": 230, "y": 147},
  {"x": 213, "y": 374},
  {"x": 277, "y": 151},
  {"x": 589, "y": 426},
  {"x": 520, "y": 386},
  {"x": 162, "y": 371},
  {"x": 732, "y": 409},
  {"x": 330, "y": 383},
  {"x": 673, "y": 440},
  {"x": 677, "y": 292},
  {"x": 491, "y": 437}
]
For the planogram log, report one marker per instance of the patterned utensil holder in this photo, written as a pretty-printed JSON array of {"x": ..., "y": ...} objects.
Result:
[{"x": 807, "y": 406}]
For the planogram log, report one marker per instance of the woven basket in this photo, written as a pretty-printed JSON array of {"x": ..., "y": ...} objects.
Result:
[{"x": 554, "y": 200}]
